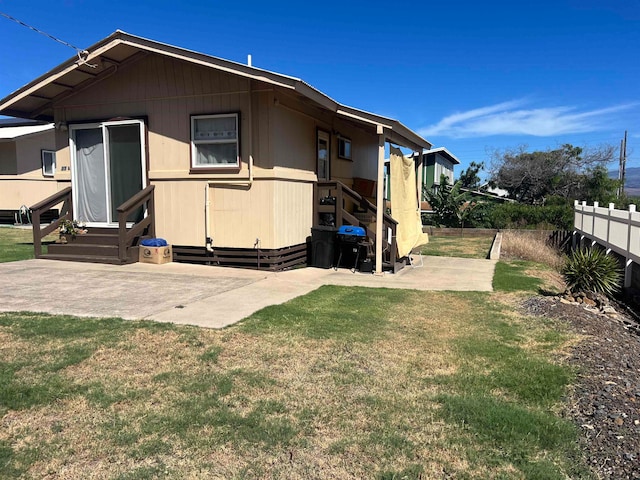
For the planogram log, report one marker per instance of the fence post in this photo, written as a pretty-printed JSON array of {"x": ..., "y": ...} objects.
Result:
[{"x": 628, "y": 263}]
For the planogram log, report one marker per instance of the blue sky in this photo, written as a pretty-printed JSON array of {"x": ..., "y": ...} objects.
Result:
[{"x": 471, "y": 76}]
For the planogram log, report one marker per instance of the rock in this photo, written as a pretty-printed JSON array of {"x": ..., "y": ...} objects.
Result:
[
  {"x": 589, "y": 302},
  {"x": 619, "y": 421},
  {"x": 609, "y": 310}
]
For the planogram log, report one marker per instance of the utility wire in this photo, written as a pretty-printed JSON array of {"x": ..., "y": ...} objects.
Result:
[{"x": 82, "y": 54}]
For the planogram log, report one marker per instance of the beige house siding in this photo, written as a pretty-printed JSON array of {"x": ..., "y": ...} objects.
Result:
[
  {"x": 276, "y": 129},
  {"x": 8, "y": 158},
  {"x": 293, "y": 212},
  {"x": 21, "y": 178},
  {"x": 240, "y": 215}
]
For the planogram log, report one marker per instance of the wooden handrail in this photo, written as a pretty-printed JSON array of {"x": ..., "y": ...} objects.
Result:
[
  {"x": 126, "y": 237},
  {"x": 54, "y": 199},
  {"x": 66, "y": 213},
  {"x": 135, "y": 201},
  {"x": 342, "y": 216}
]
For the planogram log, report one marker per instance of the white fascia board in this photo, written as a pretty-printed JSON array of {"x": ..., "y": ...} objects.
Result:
[{"x": 12, "y": 133}]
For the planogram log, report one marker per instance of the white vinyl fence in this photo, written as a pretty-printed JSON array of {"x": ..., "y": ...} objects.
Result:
[{"x": 616, "y": 230}]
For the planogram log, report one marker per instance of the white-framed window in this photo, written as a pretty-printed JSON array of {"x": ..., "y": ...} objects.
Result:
[
  {"x": 344, "y": 148},
  {"x": 48, "y": 162},
  {"x": 215, "y": 141}
]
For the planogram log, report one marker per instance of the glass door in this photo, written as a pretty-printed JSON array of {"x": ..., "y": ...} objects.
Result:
[
  {"x": 324, "y": 157},
  {"x": 108, "y": 168}
]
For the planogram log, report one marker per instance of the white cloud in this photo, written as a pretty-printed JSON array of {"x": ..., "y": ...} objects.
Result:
[{"x": 509, "y": 118}]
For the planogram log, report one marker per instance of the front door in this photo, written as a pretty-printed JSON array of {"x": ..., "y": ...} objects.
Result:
[
  {"x": 324, "y": 155},
  {"x": 108, "y": 167}
]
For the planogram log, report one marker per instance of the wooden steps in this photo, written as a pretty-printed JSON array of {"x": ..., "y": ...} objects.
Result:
[
  {"x": 98, "y": 245},
  {"x": 89, "y": 258}
]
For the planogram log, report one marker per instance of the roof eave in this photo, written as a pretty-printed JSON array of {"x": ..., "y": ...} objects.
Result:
[
  {"x": 44, "y": 112},
  {"x": 446, "y": 153},
  {"x": 407, "y": 135}
]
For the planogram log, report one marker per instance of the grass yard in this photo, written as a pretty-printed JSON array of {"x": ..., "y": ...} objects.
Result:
[
  {"x": 465, "y": 247},
  {"x": 344, "y": 382},
  {"x": 17, "y": 243}
]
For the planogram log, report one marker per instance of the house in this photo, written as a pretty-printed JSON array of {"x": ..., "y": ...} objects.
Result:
[
  {"x": 225, "y": 160},
  {"x": 430, "y": 166},
  {"x": 437, "y": 162},
  {"x": 27, "y": 166}
]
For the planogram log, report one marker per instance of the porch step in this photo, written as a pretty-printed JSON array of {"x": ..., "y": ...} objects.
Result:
[
  {"x": 82, "y": 249},
  {"x": 87, "y": 258},
  {"x": 93, "y": 239}
]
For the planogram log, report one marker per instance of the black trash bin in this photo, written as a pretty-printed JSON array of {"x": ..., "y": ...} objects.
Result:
[{"x": 323, "y": 247}]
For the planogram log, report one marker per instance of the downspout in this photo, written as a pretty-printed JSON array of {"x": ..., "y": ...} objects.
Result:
[{"x": 248, "y": 182}]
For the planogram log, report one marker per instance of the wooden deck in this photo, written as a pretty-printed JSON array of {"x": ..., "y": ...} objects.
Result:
[{"x": 99, "y": 245}]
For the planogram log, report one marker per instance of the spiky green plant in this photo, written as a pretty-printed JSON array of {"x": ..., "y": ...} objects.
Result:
[{"x": 592, "y": 270}]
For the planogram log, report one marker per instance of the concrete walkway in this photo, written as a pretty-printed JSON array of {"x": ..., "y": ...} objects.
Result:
[{"x": 211, "y": 297}]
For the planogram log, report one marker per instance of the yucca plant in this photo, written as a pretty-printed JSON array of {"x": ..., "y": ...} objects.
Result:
[{"x": 592, "y": 270}]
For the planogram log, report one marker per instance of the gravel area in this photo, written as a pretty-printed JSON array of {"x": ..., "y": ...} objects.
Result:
[{"x": 605, "y": 403}]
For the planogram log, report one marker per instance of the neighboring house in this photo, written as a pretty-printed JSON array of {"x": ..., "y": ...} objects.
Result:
[
  {"x": 430, "y": 166},
  {"x": 27, "y": 165},
  {"x": 235, "y": 155},
  {"x": 435, "y": 163}
]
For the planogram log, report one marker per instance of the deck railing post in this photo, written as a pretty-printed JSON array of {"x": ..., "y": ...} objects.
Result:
[
  {"x": 339, "y": 205},
  {"x": 628, "y": 263},
  {"x": 151, "y": 211},
  {"x": 37, "y": 235},
  {"x": 122, "y": 236},
  {"x": 66, "y": 213}
]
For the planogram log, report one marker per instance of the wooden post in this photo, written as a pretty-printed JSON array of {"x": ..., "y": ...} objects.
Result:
[
  {"x": 339, "y": 205},
  {"x": 37, "y": 235},
  {"x": 380, "y": 201},
  {"x": 151, "y": 210},
  {"x": 420, "y": 179}
]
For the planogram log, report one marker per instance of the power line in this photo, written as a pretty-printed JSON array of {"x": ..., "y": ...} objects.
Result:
[{"x": 82, "y": 54}]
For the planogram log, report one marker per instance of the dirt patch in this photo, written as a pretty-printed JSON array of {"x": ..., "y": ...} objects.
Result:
[{"x": 605, "y": 403}]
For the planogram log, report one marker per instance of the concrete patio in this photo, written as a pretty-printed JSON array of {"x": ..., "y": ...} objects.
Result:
[{"x": 211, "y": 297}]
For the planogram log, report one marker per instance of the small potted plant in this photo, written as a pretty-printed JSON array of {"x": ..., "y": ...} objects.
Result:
[{"x": 71, "y": 228}]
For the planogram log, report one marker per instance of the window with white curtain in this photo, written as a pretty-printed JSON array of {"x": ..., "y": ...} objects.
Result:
[{"x": 215, "y": 141}]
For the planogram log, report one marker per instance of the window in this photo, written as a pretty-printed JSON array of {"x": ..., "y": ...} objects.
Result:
[
  {"x": 48, "y": 163},
  {"x": 214, "y": 141},
  {"x": 323, "y": 155},
  {"x": 344, "y": 148}
]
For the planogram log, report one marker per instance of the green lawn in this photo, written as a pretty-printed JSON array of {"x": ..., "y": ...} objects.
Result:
[
  {"x": 17, "y": 243},
  {"x": 465, "y": 247},
  {"x": 344, "y": 382}
]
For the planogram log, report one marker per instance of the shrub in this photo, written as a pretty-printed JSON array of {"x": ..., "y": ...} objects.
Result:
[
  {"x": 518, "y": 215},
  {"x": 591, "y": 269}
]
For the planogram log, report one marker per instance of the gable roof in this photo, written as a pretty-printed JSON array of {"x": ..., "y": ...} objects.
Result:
[{"x": 35, "y": 100}]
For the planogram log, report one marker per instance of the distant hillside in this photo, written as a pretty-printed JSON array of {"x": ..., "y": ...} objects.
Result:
[{"x": 631, "y": 181}]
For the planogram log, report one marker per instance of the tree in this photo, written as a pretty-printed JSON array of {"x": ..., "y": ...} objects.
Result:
[
  {"x": 449, "y": 204},
  {"x": 597, "y": 186},
  {"x": 533, "y": 177},
  {"x": 470, "y": 178}
]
